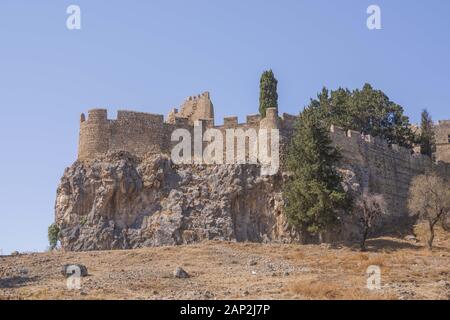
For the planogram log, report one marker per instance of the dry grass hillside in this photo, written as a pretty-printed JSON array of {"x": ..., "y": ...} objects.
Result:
[{"x": 224, "y": 270}]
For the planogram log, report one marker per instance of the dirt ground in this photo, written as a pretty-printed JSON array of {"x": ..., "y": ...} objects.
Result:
[{"x": 227, "y": 270}]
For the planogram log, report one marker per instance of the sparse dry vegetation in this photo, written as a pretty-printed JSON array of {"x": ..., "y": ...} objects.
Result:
[
  {"x": 334, "y": 290},
  {"x": 228, "y": 270}
]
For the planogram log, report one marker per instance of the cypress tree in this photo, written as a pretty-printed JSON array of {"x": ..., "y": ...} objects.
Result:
[
  {"x": 427, "y": 137},
  {"x": 314, "y": 194},
  {"x": 268, "y": 96}
]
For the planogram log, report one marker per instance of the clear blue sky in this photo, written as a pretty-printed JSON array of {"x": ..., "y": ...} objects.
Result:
[{"x": 150, "y": 55}]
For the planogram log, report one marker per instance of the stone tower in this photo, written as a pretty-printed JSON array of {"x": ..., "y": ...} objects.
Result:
[
  {"x": 94, "y": 134},
  {"x": 443, "y": 141},
  {"x": 194, "y": 108}
]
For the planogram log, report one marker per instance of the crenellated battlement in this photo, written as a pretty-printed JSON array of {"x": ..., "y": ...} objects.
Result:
[
  {"x": 383, "y": 168},
  {"x": 140, "y": 132},
  {"x": 194, "y": 108},
  {"x": 204, "y": 95},
  {"x": 356, "y": 137},
  {"x": 352, "y": 142},
  {"x": 97, "y": 115},
  {"x": 130, "y": 131},
  {"x": 101, "y": 116}
]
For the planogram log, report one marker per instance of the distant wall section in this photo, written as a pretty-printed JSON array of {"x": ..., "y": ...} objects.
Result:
[
  {"x": 135, "y": 132},
  {"x": 443, "y": 141},
  {"x": 382, "y": 169}
]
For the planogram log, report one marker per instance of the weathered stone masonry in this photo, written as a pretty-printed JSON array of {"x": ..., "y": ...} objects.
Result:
[
  {"x": 443, "y": 141},
  {"x": 125, "y": 192},
  {"x": 383, "y": 169},
  {"x": 140, "y": 133},
  {"x": 389, "y": 169}
]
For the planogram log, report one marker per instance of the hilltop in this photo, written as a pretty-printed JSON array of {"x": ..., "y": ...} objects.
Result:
[{"x": 230, "y": 270}]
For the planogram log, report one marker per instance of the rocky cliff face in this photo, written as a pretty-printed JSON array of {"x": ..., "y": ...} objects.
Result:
[{"x": 120, "y": 202}]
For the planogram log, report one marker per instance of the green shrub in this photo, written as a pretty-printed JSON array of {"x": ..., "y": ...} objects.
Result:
[{"x": 53, "y": 235}]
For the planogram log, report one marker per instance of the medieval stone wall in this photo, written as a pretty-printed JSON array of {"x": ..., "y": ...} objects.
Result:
[
  {"x": 381, "y": 168},
  {"x": 135, "y": 132},
  {"x": 443, "y": 141},
  {"x": 136, "y": 198},
  {"x": 141, "y": 133}
]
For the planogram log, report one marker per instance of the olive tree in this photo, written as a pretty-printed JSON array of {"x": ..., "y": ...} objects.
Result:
[
  {"x": 369, "y": 208},
  {"x": 429, "y": 199}
]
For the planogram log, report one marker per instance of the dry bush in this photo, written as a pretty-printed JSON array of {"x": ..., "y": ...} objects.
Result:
[
  {"x": 360, "y": 263},
  {"x": 378, "y": 260},
  {"x": 295, "y": 256},
  {"x": 369, "y": 208},
  {"x": 402, "y": 258},
  {"x": 332, "y": 290}
]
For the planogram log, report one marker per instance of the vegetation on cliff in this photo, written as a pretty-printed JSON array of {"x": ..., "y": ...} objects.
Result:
[{"x": 53, "y": 235}]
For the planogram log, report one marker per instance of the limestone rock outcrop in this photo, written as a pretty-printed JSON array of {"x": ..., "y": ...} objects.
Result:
[{"x": 119, "y": 201}]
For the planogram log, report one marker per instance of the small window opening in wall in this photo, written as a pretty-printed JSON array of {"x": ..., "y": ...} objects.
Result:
[{"x": 449, "y": 138}]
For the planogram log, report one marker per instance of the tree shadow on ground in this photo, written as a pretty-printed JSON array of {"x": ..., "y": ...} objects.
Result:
[
  {"x": 16, "y": 281},
  {"x": 397, "y": 228},
  {"x": 376, "y": 245}
]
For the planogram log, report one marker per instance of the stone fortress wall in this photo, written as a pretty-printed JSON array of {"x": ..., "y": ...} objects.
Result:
[
  {"x": 382, "y": 168},
  {"x": 443, "y": 141},
  {"x": 140, "y": 133}
]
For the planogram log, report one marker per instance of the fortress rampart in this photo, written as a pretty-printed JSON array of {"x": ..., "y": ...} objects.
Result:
[
  {"x": 443, "y": 141},
  {"x": 240, "y": 206},
  {"x": 383, "y": 169},
  {"x": 141, "y": 133}
]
